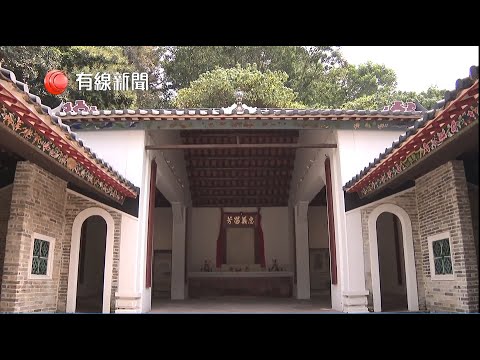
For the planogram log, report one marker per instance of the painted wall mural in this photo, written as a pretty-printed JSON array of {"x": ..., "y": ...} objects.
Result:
[
  {"x": 13, "y": 122},
  {"x": 449, "y": 129}
]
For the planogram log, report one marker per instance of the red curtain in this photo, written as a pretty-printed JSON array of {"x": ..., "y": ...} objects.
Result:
[
  {"x": 221, "y": 243},
  {"x": 261, "y": 244}
]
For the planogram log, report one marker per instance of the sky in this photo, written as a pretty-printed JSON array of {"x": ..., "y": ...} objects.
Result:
[{"x": 418, "y": 67}]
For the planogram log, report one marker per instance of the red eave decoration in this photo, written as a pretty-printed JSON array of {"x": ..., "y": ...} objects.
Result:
[
  {"x": 31, "y": 119},
  {"x": 424, "y": 135}
]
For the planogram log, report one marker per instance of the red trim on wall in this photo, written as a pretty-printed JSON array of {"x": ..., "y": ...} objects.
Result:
[
  {"x": 260, "y": 241},
  {"x": 221, "y": 243},
  {"x": 151, "y": 207},
  {"x": 331, "y": 222}
]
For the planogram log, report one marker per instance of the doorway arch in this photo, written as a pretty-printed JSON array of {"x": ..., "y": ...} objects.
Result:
[
  {"x": 408, "y": 250},
  {"x": 75, "y": 254}
]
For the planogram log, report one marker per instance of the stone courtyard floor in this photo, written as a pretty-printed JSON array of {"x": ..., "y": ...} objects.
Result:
[{"x": 228, "y": 305}]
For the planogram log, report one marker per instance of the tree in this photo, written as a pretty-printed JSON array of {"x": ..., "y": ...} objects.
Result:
[
  {"x": 380, "y": 99},
  {"x": 305, "y": 66},
  {"x": 349, "y": 82},
  {"x": 93, "y": 60},
  {"x": 318, "y": 76},
  {"x": 147, "y": 59},
  {"x": 217, "y": 88},
  {"x": 426, "y": 98},
  {"x": 30, "y": 65}
]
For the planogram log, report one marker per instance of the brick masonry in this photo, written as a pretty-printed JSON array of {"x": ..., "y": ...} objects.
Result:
[
  {"x": 473, "y": 197},
  {"x": 5, "y": 199},
  {"x": 407, "y": 201},
  {"x": 37, "y": 205},
  {"x": 440, "y": 201},
  {"x": 443, "y": 205},
  {"x": 41, "y": 203},
  {"x": 76, "y": 204}
]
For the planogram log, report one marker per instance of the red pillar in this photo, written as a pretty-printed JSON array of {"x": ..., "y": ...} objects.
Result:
[
  {"x": 151, "y": 207},
  {"x": 331, "y": 222}
]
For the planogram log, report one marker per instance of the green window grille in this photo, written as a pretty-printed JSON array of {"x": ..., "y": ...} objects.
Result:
[
  {"x": 442, "y": 257},
  {"x": 40, "y": 257}
]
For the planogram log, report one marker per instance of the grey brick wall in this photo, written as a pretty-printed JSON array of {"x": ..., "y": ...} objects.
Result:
[
  {"x": 407, "y": 201},
  {"x": 473, "y": 198},
  {"x": 5, "y": 199},
  {"x": 443, "y": 205},
  {"x": 37, "y": 205},
  {"x": 76, "y": 204}
]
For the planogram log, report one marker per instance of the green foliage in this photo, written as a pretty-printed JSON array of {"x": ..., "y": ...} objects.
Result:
[
  {"x": 348, "y": 83},
  {"x": 380, "y": 99},
  {"x": 368, "y": 102},
  {"x": 147, "y": 59},
  {"x": 30, "y": 65},
  {"x": 425, "y": 98},
  {"x": 280, "y": 76},
  {"x": 305, "y": 66},
  {"x": 93, "y": 60},
  {"x": 217, "y": 88}
]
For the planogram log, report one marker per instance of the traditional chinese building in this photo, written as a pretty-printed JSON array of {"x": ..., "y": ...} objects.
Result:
[{"x": 109, "y": 210}]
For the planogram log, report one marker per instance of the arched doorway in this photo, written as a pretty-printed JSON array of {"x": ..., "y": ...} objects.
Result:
[
  {"x": 75, "y": 257},
  {"x": 406, "y": 260},
  {"x": 391, "y": 261},
  {"x": 91, "y": 265}
]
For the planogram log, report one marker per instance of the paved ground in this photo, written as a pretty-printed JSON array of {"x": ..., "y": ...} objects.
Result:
[{"x": 242, "y": 305}]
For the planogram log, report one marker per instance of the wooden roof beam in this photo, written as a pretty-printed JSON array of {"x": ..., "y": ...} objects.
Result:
[{"x": 238, "y": 146}]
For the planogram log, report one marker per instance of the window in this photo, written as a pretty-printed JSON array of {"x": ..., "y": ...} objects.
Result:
[
  {"x": 42, "y": 255},
  {"x": 441, "y": 264}
]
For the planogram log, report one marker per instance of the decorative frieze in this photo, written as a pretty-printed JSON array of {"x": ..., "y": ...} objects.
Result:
[
  {"x": 449, "y": 129},
  {"x": 40, "y": 141}
]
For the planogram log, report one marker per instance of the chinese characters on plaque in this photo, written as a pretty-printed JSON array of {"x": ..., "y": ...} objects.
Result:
[{"x": 239, "y": 219}]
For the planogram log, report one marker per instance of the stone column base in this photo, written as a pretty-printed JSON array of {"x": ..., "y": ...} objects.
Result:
[
  {"x": 127, "y": 303},
  {"x": 355, "y": 301}
]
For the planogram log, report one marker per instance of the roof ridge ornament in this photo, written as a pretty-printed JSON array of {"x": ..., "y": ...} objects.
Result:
[
  {"x": 238, "y": 107},
  {"x": 399, "y": 105},
  {"x": 80, "y": 105},
  {"x": 239, "y": 100}
]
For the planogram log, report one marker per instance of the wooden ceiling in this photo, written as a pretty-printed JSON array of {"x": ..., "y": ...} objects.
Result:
[{"x": 242, "y": 176}]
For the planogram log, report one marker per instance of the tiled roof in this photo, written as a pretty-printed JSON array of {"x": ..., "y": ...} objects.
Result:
[
  {"x": 460, "y": 85},
  {"x": 232, "y": 111},
  {"x": 57, "y": 122}
]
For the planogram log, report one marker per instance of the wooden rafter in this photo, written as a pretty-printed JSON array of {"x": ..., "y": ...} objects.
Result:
[{"x": 243, "y": 168}]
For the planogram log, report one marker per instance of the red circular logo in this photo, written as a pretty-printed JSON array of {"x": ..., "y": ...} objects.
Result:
[{"x": 55, "y": 82}]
